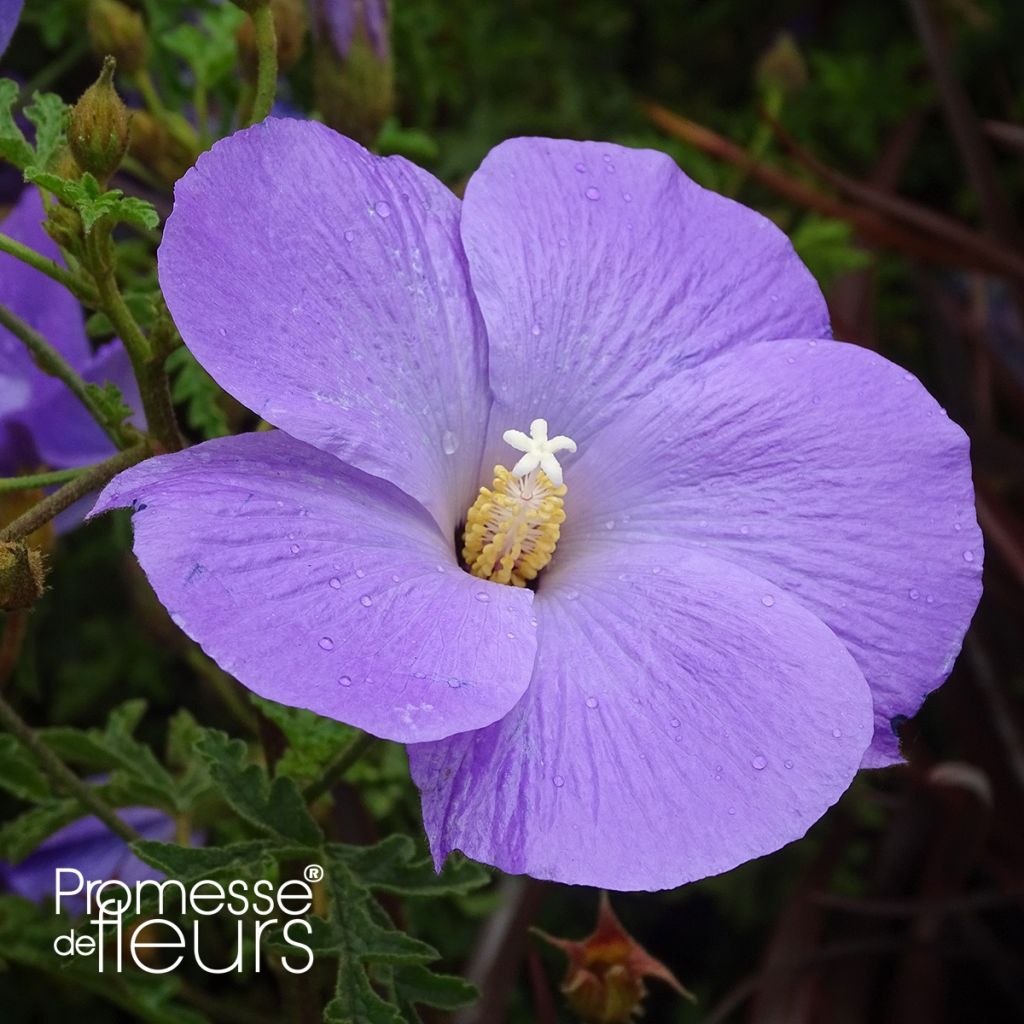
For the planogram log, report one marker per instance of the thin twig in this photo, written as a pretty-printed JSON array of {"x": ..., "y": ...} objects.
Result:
[
  {"x": 82, "y": 290},
  {"x": 29, "y": 482},
  {"x": 266, "y": 66}
]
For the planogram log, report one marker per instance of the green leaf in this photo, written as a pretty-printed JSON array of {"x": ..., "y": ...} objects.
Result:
[
  {"x": 137, "y": 774},
  {"x": 19, "y": 837},
  {"x": 193, "y": 862},
  {"x": 49, "y": 113},
  {"x": 212, "y": 51},
  {"x": 274, "y": 807},
  {"x": 396, "y": 865},
  {"x": 415, "y": 984},
  {"x": 14, "y": 147},
  {"x": 19, "y": 774},
  {"x": 194, "y": 388},
  {"x": 93, "y": 204},
  {"x": 313, "y": 741},
  {"x": 828, "y": 248}
]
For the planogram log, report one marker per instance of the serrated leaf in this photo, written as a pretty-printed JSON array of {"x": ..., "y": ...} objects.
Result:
[
  {"x": 19, "y": 837},
  {"x": 275, "y": 807},
  {"x": 14, "y": 147},
  {"x": 194, "y": 388},
  {"x": 48, "y": 112},
  {"x": 396, "y": 865},
  {"x": 313, "y": 741},
  {"x": 92, "y": 203},
  {"x": 137, "y": 774},
  {"x": 212, "y": 51},
  {"x": 188, "y": 863},
  {"x": 19, "y": 774},
  {"x": 415, "y": 984}
]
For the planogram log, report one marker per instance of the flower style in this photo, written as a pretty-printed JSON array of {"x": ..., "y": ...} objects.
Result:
[
  {"x": 40, "y": 420},
  {"x": 88, "y": 846},
  {"x": 763, "y": 553}
]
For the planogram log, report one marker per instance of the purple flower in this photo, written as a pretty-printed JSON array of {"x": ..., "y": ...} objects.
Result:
[
  {"x": 766, "y": 545},
  {"x": 342, "y": 18},
  {"x": 89, "y": 847},
  {"x": 10, "y": 12},
  {"x": 40, "y": 420}
]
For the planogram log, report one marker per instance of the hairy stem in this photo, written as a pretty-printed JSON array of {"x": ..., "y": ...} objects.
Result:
[
  {"x": 266, "y": 68},
  {"x": 81, "y": 290},
  {"x": 50, "y": 361},
  {"x": 87, "y": 481},
  {"x": 28, "y": 483},
  {"x": 63, "y": 778}
]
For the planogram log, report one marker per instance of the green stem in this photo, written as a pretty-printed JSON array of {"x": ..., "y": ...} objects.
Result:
[
  {"x": 63, "y": 778},
  {"x": 74, "y": 284},
  {"x": 87, "y": 481},
  {"x": 266, "y": 67},
  {"x": 148, "y": 366},
  {"x": 27, "y": 483},
  {"x": 336, "y": 770},
  {"x": 50, "y": 361}
]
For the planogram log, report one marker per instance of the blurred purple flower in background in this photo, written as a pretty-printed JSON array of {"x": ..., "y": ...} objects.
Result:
[
  {"x": 40, "y": 420},
  {"x": 343, "y": 18},
  {"x": 88, "y": 846},
  {"x": 769, "y": 551},
  {"x": 10, "y": 12}
]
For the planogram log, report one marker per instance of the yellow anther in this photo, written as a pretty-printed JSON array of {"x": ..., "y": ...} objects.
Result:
[{"x": 513, "y": 527}]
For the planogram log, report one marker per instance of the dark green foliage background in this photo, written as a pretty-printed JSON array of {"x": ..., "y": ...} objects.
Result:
[{"x": 830, "y": 929}]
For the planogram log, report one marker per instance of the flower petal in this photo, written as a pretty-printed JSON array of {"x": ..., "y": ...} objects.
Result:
[
  {"x": 64, "y": 433},
  {"x": 602, "y": 270},
  {"x": 323, "y": 588},
  {"x": 42, "y": 303},
  {"x": 683, "y": 717},
  {"x": 326, "y": 289},
  {"x": 10, "y": 12},
  {"x": 822, "y": 467}
]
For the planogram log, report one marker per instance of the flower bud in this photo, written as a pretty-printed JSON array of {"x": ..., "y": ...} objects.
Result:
[
  {"x": 21, "y": 576},
  {"x": 782, "y": 66},
  {"x": 604, "y": 983},
  {"x": 290, "y": 25},
  {"x": 117, "y": 30},
  {"x": 100, "y": 126},
  {"x": 249, "y": 6},
  {"x": 353, "y": 75}
]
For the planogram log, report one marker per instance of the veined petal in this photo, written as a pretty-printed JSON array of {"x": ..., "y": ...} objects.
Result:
[
  {"x": 318, "y": 586},
  {"x": 602, "y": 270},
  {"x": 684, "y": 716},
  {"x": 326, "y": 288},
  {"x": 824, "y": 468}
]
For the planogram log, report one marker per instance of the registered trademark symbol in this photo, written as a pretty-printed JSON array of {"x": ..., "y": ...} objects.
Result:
[{"x": 313, "y": 873}]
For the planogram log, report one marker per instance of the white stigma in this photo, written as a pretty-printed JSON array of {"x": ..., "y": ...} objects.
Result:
[{"x": 539, "y": 450}]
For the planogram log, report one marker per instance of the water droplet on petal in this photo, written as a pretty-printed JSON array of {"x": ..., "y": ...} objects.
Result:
[
  {"x": 591, "y": 702},
  {"x": 913, "y": 594},
  {"x": 760, "y": 762},
  {"x": 344, "y": 680},
  {"x": 325, "y": 643},
  {"x": 449, "y": 443},
  {"x": 482, "y": 597},
  {"x": 366, "y": 600},
  {"x": 511, "y": 636},
  {"x": 732, "y": 810},
  {"x": 360, "y": 574},
  {"x": 787, "y": 764},
  {"x": 837, "y": 733},
  {"x": 656, "y": 570},
  {"x": 535, "y": 330},
  {"x": 628, "y": 196},
  {"x": 395, "y": 578},
  {"x": 349, "y": 235},
  {"x": 610, "y": 525},
  {"x": 571, "y": 595},
  {"x": 674, "y": 723},
  {"x": 593, "y": 194},
  {"x": 558, "y": 781},
  {"x": 295, "y": 549},
  {"x": 382, "y": 209},
  {"x": 581, "y": 168},
  {"x": 334, "y": 583},
  {"x": 968, "y": 556},
  {"x": 767, "y": 600}
]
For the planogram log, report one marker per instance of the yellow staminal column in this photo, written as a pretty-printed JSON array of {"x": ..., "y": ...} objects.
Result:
[{"x": 512, "y": 528}]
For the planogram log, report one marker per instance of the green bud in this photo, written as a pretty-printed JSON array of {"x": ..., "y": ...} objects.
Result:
[
  {"x": 355, "y": 93},
  {"x": 100, "y": 126},
  {"x": 250, "y": 6},
  {"x": 21, "y": 576},
  {"x": 782, "y": 66},
  {"x": 116, "y": 29},
  {"x": 290, "y": 25}
]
